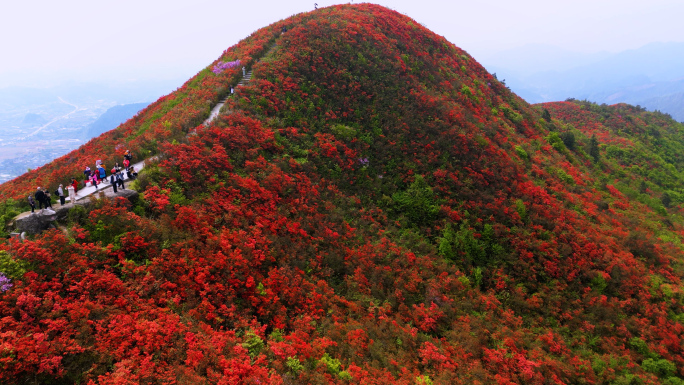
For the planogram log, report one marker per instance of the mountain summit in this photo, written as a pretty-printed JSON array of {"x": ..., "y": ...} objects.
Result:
[{"x": 370, "y": 206}]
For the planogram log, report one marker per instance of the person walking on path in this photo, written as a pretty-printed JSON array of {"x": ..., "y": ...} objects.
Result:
[
  {"x": 232, "y": 90},
  {"x": 120, "y": 178},
  {"x": 93, "y": 180},
  {"x": 74, "y": 184},
  {"x": 32, "y": 202},
  {"x": 40, "y": 198},
  {"x": 127, "y": 159},
  {"x": 113, "y": 180},
  {"x": 103, "y": 173},
  {"x": 48, "y": 199},
  {"x": 60, "y": 192},
  {"x": 86, "y": 172},
  {"x": 243, "y": 72}
]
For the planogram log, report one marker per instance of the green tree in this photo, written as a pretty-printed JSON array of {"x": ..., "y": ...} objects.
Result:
[
  {"x": 594, "y": 148},
  {"x": 569, "y": 140},
  {"x": 465, "y": 249},
  {"x": 417, "y": 202}
]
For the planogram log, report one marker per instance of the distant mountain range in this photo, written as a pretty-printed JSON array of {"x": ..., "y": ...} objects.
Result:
[
  {"x": 40, "y": 124},
  {"x": 651, "y": 76},
  {"x": 112, "y": 118}
]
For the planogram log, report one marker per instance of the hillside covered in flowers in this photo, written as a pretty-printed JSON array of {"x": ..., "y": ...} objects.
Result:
[{"x": 373, "y": 207}]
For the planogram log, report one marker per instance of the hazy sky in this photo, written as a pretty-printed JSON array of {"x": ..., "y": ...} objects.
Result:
[{"x": 51, "y": 41}]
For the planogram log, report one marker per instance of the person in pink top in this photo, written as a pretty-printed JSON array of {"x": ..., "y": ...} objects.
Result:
[{"x": 93, "y": 180}]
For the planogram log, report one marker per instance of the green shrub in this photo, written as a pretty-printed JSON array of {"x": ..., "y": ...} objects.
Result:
[
  {"x": 599, "y": 366},
  {"x": 77, "y": 214},
  {"x": 511, "y": 114},
  {"x": 8, "y": 210},
  {"x": 556, "y": 142},
  {"x": 344, "y": 375},
  {"x": 12, "y": 268},
  {"x": 598, "y": 283},
  {"x": 294, "y": 365},
  {"x": 568, "y": 139},
  {"x": 521, "y": 153},
  {"x": 660, "y": 367},
  {"x": 465, "y": 249},
  {"x": 465, "y": 90},
  {"x": 253, "y": 343},
  {"x": 332, "y": 364},
  {"x": 477, "y": 277},
  {"x": 627, "y": 379},
  {"x": 564, "y": 176},
  {"x": 343, "y": 132},
  {"x": 615, "y": 152},
  {"x": 521, "y": 209},
  {"x": 176, "y": 195},
  {"x": 417, "y": 202}
]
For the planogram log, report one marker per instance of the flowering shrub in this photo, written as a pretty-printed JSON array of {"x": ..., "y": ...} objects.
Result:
[
  {"x": 222, "y": 66},
  {"x": 5, "y": 283}
]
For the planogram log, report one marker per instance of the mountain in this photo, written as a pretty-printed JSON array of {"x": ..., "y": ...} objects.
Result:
[
  {"x": 544, "y": 73},
  {"x": 33, "y": 120},
  {"x": 113, "y": 117},
  {"x": 371, "y": 207},
  {"x": 670, "y": 102}
]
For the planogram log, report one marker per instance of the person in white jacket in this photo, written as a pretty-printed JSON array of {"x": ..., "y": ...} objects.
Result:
[{"x": 60, "y": 192}]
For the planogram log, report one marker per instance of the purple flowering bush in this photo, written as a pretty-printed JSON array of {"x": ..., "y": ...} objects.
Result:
[
  {"x": 220, "y": 67},
  {"x": 5, "y": 283}
]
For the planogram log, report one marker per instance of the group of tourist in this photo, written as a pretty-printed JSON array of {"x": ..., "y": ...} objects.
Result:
[
  {"x": 99, "y": 175},
  {"x": 41, "y": 197},
  {"x": 92, "y": 176}
]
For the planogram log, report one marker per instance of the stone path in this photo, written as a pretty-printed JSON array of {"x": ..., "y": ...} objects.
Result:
[
  {"x": 217, "y": 108},
  {"x": 85, "y": 192},
  {"x": 90, "y": 190}
]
